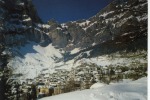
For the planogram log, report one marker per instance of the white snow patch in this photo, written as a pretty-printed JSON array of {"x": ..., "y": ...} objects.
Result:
[
  {"x": 84, "y": 23},
  {"x": 43, "y": 26},
  {"x": 125, "y": 34},
  {"x": 89, "y": 25},
  {"x": 106, "y": 13},
  {"x": 140, "y": 18},
  {"x": 122, "y": 21},
  {"x": 64, "y": 25},
  {"x": 75, "y": 50},
  {"x": 58, "y": 28},
  {"x": 94, "y": 44},
  {"x": 28, "y": 19},
  {"x": 97, "y": 85}
]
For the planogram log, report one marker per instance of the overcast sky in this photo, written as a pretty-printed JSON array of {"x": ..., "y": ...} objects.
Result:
[{"x": 68, "y": 10}]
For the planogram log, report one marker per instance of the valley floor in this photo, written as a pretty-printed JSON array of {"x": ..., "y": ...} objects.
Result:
[{"x": 127, "y": 90}]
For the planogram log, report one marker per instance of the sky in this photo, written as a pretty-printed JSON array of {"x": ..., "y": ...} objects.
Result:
[{"x": 68, "y": 10}]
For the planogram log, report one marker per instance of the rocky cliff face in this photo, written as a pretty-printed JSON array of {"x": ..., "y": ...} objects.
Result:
[
  {"x": 20, "y": 23},
  {"x": 123, "y": 24}
]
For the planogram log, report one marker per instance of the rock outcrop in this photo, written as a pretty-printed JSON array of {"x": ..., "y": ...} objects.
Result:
[
  {"x": 124, "y": 20},
  {"x": 20, "y": 23}
]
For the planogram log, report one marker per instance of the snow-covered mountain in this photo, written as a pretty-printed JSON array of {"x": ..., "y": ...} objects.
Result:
[
  {"x": 118, "y": 22},
  {"x": 108, "y": 38},
  {"x": 108, "y": 48}
]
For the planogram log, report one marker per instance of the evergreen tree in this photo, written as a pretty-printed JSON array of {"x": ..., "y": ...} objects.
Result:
[{"x": 5, "y": 73}]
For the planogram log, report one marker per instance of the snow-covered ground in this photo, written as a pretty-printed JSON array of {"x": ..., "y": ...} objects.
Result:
[
  {"x": 32, "y": 59},
  {"x": 134, "y": 90},
  {"x": 97, "y": 85}
]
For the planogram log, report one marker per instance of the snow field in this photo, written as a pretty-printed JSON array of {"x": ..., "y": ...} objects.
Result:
[{"x": 134, "y": 90}]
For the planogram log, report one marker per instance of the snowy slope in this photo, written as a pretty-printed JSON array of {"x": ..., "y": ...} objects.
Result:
[
  {"x": 136, "y": 90},
  {"x": 97, "y": 85},
  {"x": 31, "y": 59}
]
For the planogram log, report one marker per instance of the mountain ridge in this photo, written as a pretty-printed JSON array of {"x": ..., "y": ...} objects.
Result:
[
  {"x": 119, "y": 27},
  {"x": 105, "y": 30}
]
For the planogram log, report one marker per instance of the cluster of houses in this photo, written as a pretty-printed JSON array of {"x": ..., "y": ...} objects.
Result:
[{"x": 82, "y": 77}]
